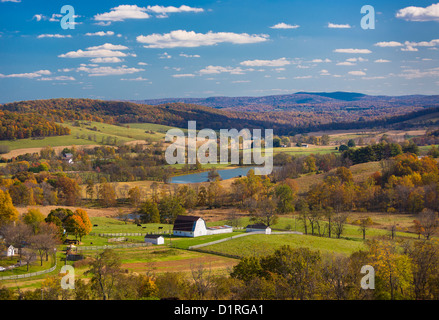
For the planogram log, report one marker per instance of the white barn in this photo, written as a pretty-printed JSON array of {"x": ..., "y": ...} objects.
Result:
[
  {"x": 258, "y": 227},
  {"x": 190, "y": 226},
  {"x": 154, "y": 239}
]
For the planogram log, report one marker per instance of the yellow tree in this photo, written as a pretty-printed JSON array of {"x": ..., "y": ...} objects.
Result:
[
  {"x": 8, "y": 213},
  {"x": 393, "y": 272}
]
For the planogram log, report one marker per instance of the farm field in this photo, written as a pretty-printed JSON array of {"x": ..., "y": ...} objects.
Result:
[
  {"x": 85, "y": 135},
  {"x": 261, "y": 244}
]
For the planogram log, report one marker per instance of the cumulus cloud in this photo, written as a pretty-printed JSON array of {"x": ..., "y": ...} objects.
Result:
[
  {"x": 412, "y": 13},
  {"x": 190, "y": 55},
  {"x": 183, "y": 75},
  {"x": 362, "y": 51},
  {"x": 100, "y": 33},
  {"x": 123, "y": 12},
  {"x": 320, "y": 60},
  {"x": 188, "y": 39},
  {"x": 135, "y": 79},
  {"x": 54, "y": 36},
  {"x": 28, "y": 75},
  {"x": 381, "y": 61},
  {"x": 108, "y": 71},
  {"x": 266, "y": 63},
  {"x": 103, "y": 51},
  {"x": 162, "y": 12},
  {"x": 357, "y": 73},
  {"x": 385, "y": 44},
  {"x": 346, "y": 63},
  {"x": 283, "y": 25},
  {"x": 57, "y": 78},
  {"x": 106, "y": 60},
  {"x": 219, "y": 69},
  {"x": 338, "y": 26}
]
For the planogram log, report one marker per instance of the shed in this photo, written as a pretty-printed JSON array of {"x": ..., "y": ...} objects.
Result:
[
  {"x": 11, "y": 251},
  {"x": 189, "y": 226},
  {"x": 154, "y": 239},
  {"x": 258, "y": 227}
]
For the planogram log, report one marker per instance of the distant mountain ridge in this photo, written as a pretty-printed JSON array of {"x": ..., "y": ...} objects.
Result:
[{"x": 303, "y": 100}]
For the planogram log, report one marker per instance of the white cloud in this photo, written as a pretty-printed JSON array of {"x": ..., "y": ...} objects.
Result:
[
  {"x": 108, "y": 46},
  {"x": 266, "y": 63},
  {"x": 324, "y": 72},
  {"x": 412, "y": 13},
  {"x": 416, "y": 73},
  {"x": 165, "y": 55},
  {"x": 384, "y": 44},
  {"x": 283, "y": 25},
  {"x": 58, "y": 78},
  {"x": 357, "y": 73},
  {"x": 16, "y": 1},
  {"x": 359, "y": 59},
  {"x": 190, "y": 39},
  {"x": 364, "y": 51},
  {"x": 38, "y": 17},
  {"x": 381, "y": 61},
  {"x": 163, "y": 11},
  {"x": 219, "y": 69},
  {"x": 183, "y": 75},
  {"x": 338, "y": 26},
  {"x": 29, "y": 75},
  {"x": 106, "y": 60},
  {"x": 108, "y": 71},
  {"x": 103, "y": 51},
  {"x": 303, "y": 77},
  {"x": 346, "y": 63},
  {"x": 142, "y": 64},
  {"x": 54, "y": 36},
  {"x": 135, "y": 79},
  {"x": 100, "y": 33},
  {"x": 190, "y": 55},
  {"x": 123, "y": 12},
  {"x": 320, "y": 60}
]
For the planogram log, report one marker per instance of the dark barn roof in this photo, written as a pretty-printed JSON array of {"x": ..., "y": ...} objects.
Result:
[
  {"x": 257, "y": 226},
  {"x": 153, "y": 236},
  {"x": 185, "y": 223}
]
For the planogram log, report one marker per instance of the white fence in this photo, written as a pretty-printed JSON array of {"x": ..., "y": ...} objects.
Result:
[
  {"x": 28, "y": 275},
  {"x": 116, "y": 246}
]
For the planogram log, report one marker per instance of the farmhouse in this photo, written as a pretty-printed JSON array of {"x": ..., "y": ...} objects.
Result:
[
  {"x": 154, "y": 239},
  {"x": 190, "y": 226},
  {"x": 258, "y": 227}
]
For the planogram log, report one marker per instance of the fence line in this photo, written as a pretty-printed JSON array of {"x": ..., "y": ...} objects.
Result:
[
  {"x": 116, "y": 246},
  {"x": 28, "y": 275},
  {"x": 129, "y": 234}
]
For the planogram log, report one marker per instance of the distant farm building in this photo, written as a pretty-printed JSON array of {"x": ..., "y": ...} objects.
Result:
[
  {"x": 11, "y": 251},
  {"x": 190, "y": 226},
  {"x": 304, "y": 145},
  {"x": 258, "y": 227},
  {"x": 154, "y": 239}
]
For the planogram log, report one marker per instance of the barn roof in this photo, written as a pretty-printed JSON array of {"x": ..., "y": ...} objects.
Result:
[
  {"x": 257, "y": 226},
  {"x": 185, "y": 223},
  {"x": 153, "y": 236}
]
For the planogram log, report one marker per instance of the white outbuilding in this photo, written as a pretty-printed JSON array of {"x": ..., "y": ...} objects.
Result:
[
  {"x": 258, "y": 227},
  {"x": 154, "y": 239},
  {"x": 11, "y": 251}
]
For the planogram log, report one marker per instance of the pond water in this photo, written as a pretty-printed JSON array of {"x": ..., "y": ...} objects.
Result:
[{"x": 202, "y": 176}]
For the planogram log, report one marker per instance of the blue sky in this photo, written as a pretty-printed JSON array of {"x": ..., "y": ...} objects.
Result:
[{"x": 165, "y": 49}]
